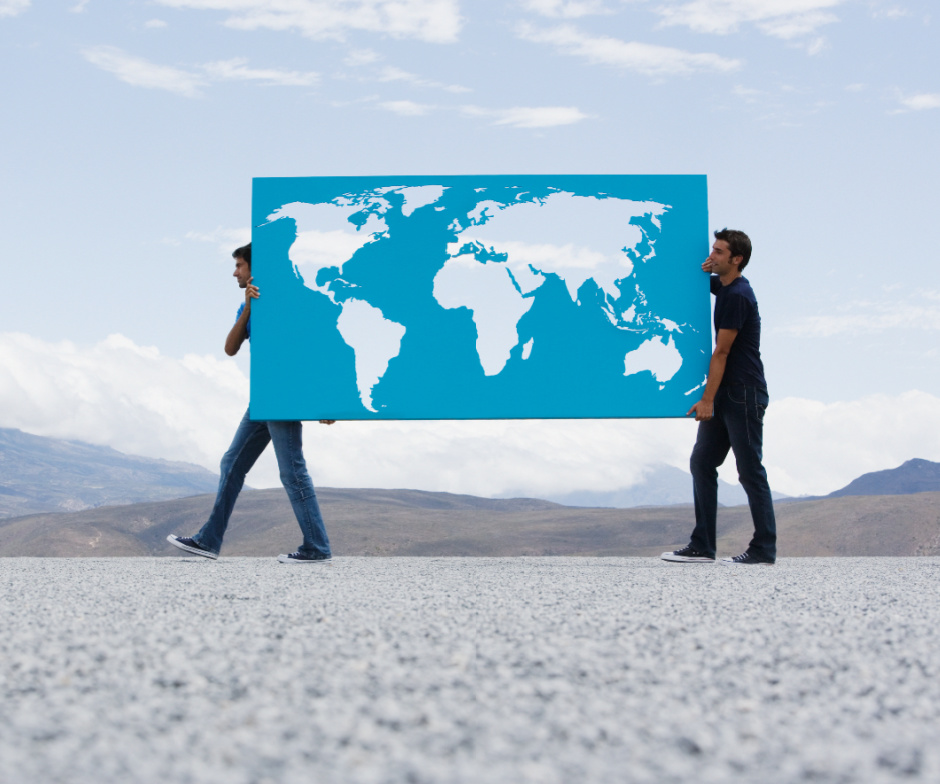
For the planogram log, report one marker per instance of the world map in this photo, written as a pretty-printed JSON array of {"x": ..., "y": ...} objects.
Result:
[{"x": 478, "y": 297}]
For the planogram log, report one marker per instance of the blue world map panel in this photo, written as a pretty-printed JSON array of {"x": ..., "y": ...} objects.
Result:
[{"x": 479, "y": 297}]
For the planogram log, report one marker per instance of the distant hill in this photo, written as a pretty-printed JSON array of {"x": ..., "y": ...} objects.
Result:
[
  {"x": 40, "y": 474},
  {"x": 663, "y": 485},
  {"x": 914, "y": 476},
  {"x": 412, "y": 522}
]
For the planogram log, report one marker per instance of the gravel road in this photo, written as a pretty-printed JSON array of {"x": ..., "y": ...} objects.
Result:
[{"x": 469, "y": 670}]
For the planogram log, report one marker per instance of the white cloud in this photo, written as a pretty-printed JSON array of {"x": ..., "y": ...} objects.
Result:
[
  {"x": 122, "y": 395},
  {"x": 631, "y": 55},
  {"x": 917, "y": 103},
  {"x": 13, "y": 7},
  {"x": 155, "y": 24},
  {"x": 392, "y": 74},
  {"x": 139, "y": 401},
  {"x": 359, "y": 57},
  {"x": 866, "y": 317},
  {"x": 237, "y": 69},
  {"x": 79, "y": 7},
  {"x": 436, "y": 21},
  {"x": 141, "y": 73},
  {"x": 566, "y": 9},
  {"x": 786, "y": 19},
  {"x": 814, "y": 448},
  {"x": 406, "y": 108},
  {"x": 529, "y": 116},
  {"x": 226, "y": 239}
]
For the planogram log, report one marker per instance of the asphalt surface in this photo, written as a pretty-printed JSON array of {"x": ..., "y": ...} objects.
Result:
[{"x": 468, "y": 670}]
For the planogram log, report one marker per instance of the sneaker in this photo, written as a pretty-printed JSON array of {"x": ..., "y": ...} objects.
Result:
[
  {"x": 300, "y": 558},
  {"x": 191, "y": 546},
  {"x": 688, "y": 555},
  {"x": 747, "y": 559}
]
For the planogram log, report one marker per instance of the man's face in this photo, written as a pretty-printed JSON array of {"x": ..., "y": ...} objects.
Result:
[
  {"x": 242, "y": 272},
  {"x": 721, "y": 259}
]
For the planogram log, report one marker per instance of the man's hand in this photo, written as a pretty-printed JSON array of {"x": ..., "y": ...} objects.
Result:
[
  {"x": 708, "y": 266},
  {"x": 251, "y": 292},
  {"x": 327, "y": 421},
  {"x": 704, "y": 410}
]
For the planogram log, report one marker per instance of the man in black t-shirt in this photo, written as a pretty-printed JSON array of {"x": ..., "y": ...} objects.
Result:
[{"x": 731, "y": 411}]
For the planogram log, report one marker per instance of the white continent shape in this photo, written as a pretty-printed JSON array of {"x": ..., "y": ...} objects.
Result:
[
  {"x": 496, "y": 306},
  {"x": 375, "y": 341},
  {"x": 657, "y": 356}
]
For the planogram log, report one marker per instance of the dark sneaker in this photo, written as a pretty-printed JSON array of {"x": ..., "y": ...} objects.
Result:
[
  {"x": 688, "y": 555},
  {"x": 747, "y": 559},
  {"x": 300, "y": 558},
  {"x": 191, "y": 546}
]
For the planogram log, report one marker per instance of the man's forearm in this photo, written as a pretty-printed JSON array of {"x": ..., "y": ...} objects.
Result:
[
  {"x": 716, "y": 371},
  {"x": 237, "y": 334}
]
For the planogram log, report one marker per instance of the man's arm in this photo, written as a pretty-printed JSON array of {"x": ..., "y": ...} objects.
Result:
[
  {"x": 239, "y": 332},
  {"x": 705, "y": 408}
]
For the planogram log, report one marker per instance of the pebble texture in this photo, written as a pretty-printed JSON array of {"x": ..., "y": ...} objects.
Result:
[{"x": 468, "y": 670}]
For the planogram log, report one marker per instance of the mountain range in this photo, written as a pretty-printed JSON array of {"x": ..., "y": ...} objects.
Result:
[
  {"x": 39, "y": 474},
  {"x": 68, "y": 498}
]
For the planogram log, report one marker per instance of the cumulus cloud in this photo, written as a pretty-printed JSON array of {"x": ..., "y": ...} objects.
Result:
[
  {"x": 529, "y": 116},
  {"x": 140, "y": 401},
  {"x": 13, "y": 7},
  {"x": 814, "y": 448},
  {"x": 643, "y": 58},
  {"x": 436, "y": 21},
  {"x": 122, "y": 395},
  {"x": 142, "y": 73}
]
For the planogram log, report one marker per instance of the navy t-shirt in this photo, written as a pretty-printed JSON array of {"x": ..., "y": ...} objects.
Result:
[
  {"x": 736, "y": 308},
  {"x": 247, "y": 324}
]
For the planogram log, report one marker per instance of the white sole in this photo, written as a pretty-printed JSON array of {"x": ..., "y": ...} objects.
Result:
[
  {"x": 321, "y": 561},
  {"x": 681, "y": 559},
  {"x": 194, "y": 550}
]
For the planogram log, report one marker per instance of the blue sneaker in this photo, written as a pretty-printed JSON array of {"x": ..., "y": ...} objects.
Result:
[
  {"x": 300, "y": 558},
  {"x": 191, "y": 546}
]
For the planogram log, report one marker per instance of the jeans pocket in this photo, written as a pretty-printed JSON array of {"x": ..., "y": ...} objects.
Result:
[
  {"x": 738, "y": 394},
  {"x": 760, "y": 412}
]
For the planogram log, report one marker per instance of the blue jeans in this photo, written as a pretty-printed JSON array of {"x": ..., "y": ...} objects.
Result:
[
  {"x": 738, "y": 425},
  {"x": 250, "y": 440}
]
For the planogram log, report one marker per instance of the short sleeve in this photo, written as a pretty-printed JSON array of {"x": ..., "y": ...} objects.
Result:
[
  {"x": 735, "y": 313},
  {"x": 715, "y": 283}
]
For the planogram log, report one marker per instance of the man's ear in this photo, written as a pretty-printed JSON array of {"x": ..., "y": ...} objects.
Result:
[{"x": 736, "y": 260}]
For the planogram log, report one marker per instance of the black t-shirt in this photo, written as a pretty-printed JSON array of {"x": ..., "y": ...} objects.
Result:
[{"x": 736, "y": 308}]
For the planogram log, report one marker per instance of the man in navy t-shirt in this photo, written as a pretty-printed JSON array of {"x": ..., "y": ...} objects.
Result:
[{"x": 731, "y": 411}]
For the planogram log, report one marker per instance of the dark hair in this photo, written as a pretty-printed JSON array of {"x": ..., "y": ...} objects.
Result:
[
  {"x": 738, "y": 242},
  {"x": 244, "y": 252}
]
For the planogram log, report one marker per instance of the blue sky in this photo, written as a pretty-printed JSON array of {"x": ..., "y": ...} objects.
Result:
[{"x": 132, "y": 131}]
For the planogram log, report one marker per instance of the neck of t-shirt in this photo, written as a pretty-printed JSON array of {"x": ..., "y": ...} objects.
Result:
[{"x": 737, "y": 276}]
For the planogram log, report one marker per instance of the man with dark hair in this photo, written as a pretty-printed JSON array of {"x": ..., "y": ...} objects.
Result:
[
  {"x": 250, "y": 440},
  {"x": 731, "y": 411}
]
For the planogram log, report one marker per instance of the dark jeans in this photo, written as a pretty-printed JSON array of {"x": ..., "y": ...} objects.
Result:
[
  {"x": 738, "y": 424},
  {"x": 250, "y": 440}
]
